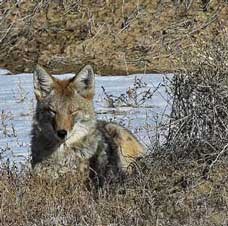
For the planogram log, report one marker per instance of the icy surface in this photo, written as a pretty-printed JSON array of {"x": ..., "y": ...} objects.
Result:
[
  {"x": 17, "y": 104},
  {"x": 4, "y": 72}
]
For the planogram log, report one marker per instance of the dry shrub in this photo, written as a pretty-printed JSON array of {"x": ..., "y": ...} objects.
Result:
[{"x": 199, "y": 117}]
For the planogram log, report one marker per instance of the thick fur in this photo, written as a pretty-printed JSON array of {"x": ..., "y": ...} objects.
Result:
[{"x": 66, "y": 135}]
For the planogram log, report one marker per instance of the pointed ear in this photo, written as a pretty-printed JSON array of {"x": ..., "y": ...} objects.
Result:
[
  {"x": 42, "y": 82},
  {"x": 85, "y": 82}
]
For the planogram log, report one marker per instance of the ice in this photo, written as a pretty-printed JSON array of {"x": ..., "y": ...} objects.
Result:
[
  {"x": 17, "y": 104},
  {"x": 4, "y": 72}
]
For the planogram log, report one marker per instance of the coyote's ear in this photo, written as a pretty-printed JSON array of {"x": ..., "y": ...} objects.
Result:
[
  {"x": 85, "y": 82},
  {"x": 42, "y": 82}
]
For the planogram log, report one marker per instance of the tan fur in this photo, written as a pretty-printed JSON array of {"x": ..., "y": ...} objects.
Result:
[
  {"x": 129, "y": 147},
  {"x": 64, "y": 122},
  {"x": 66, "y": 135},
  {"x": 63, "y": 88}
]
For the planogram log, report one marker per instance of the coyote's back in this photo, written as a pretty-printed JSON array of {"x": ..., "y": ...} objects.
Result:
[{"x": 66, "y": 135}]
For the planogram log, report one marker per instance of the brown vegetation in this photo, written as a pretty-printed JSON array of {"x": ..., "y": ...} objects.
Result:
[
  {"x": 184, "y": 182},
  {"x": 117, "y": 37},
  {"x": 166, "y": 193}
]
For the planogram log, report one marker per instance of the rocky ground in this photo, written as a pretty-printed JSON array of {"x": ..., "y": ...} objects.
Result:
[{"x": 116, "y": 37}]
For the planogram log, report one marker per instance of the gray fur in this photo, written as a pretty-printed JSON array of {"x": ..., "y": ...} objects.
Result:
[
  {"x": 42, "y": 82},
  {"x": 93, "y": 144}
]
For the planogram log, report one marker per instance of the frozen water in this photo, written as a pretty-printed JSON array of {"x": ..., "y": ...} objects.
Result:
[{"x": 17, "y": 104}]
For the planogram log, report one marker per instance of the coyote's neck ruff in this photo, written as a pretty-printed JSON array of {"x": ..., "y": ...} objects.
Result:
[{"x": 66, "y": 134}]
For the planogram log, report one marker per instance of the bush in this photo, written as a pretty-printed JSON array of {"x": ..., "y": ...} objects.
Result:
[{"x": 199, "y": 119}]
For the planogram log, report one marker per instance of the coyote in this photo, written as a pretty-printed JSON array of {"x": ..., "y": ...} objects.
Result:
[{"x": 67, "y": 136}]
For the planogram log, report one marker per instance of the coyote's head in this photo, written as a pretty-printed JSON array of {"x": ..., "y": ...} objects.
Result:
[{"x": 64, "y": 107}]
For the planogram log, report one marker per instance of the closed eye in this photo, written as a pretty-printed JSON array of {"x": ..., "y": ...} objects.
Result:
[{"x": 74, "y": 112}]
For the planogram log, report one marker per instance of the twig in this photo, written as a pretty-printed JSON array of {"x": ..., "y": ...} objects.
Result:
[{"x": 218, "y": 156}]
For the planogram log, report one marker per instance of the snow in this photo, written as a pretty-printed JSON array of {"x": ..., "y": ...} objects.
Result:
[
  {"x": 4, "y": 72},
  {"x": 17, "y": 104}
]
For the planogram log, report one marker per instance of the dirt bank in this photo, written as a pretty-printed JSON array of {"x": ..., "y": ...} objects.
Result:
[{"x": 116, "y": 37}]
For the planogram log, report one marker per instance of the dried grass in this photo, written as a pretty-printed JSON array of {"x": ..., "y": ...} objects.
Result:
[
  {"x": 161, "y": 193},
  {"x": 184, "y": 182}
]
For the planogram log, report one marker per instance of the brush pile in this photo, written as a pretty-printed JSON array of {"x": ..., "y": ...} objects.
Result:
[{"x": 199, "y": 117}]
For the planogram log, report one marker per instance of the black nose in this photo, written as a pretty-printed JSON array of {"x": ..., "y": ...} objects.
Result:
[{"x": 62, "y": 133}]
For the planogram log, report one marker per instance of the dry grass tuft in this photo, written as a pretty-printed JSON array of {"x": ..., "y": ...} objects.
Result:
[{"x": 163, "y": 192}]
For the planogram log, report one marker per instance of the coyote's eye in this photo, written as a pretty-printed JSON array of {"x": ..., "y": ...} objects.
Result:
[{"x": 75, "y": 112}]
